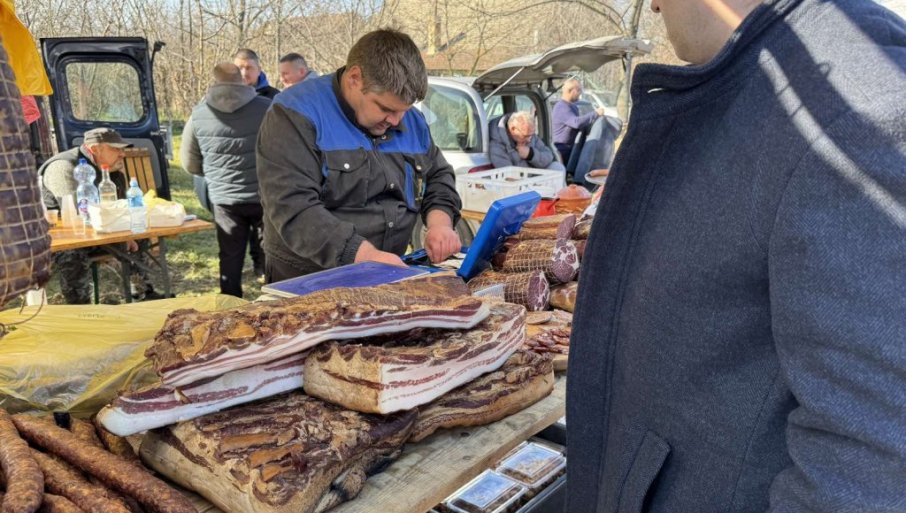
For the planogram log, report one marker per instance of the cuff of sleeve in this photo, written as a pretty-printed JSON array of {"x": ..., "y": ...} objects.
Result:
[
  {"x": 352, "y": 247},
  {"x": 454, "y": 215}
]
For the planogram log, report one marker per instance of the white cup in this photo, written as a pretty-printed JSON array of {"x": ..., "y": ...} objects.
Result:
[
  {"x": 70, "y": 214},
  {"x": 52, "y": 216}
]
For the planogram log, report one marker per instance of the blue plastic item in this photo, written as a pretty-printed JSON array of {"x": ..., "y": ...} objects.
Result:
[
  {"x": 504, "y": 218},
  {"x": 363, "y": 274}
]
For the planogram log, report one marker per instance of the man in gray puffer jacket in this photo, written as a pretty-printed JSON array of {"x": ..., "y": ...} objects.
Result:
[{"x": 218, "y": 143}]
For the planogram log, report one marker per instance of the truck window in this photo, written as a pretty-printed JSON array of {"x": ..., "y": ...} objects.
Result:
[
  {"x": 108, "y": 92},
  {"x": 452, "y": 119}
]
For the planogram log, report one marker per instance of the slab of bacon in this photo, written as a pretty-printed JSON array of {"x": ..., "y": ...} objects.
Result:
[
  {"x": 194, "y": 345},
  {"x": 159, "y": 405},
  {"x": 400, "y": 372}
]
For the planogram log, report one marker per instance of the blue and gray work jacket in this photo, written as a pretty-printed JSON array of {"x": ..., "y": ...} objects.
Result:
[{"x": 327, "y": 185}]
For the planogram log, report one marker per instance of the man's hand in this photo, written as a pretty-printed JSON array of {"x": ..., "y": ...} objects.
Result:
[
  {"x": 131, "y": 246},
  {"x": 368, "y": 253},
  {"x": 600, "y": 111},
  {"x": 441, "y": 240},
  {"x": 523, "y": 150},
  {"x": 599, "y": 172}
]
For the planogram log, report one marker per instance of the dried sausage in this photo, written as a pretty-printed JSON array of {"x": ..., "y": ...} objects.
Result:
[
  {"x": 64, "y": 481},
  {"x": 24, "y": 480},
  {"x": 113, "y": 470},
  {"x": 58, "y": 504}
]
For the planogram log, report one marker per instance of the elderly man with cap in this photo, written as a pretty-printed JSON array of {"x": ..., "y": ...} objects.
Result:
[{"x": 101, "y": 147}]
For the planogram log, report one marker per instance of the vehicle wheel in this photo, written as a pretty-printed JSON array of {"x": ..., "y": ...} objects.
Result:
[{"x": 418, "y": 234}]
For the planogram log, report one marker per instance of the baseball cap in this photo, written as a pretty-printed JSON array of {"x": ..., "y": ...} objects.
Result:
[{"x": 105, "y": 136}]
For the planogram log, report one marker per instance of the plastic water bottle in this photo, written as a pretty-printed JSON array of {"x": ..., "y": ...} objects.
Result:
[
  {"x": 86, "y": 192},
  {"x": 137, "y": 217},
  {"x": 107, "y": 188}
]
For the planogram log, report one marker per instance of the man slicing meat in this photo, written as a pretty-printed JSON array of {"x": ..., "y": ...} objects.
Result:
[{"x": 345, "y": 166}]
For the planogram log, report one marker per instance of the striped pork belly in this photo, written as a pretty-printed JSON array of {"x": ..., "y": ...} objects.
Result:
[
  {"x": 194, "y": 345},
  {"x": 400, "y": 372},
  {"x": 160, "y": 405}
]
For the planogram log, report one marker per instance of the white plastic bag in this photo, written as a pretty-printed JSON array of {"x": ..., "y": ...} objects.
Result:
[
  {"x": 163, "y": 215},
  {"x": 105, "y": 219}
]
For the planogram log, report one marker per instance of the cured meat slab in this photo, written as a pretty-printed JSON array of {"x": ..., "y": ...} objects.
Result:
[
  {"x": 400, "y": 372},
  {"x": 194, "y": 345},
  {"x": 549, "y": 227},
  {"x": 524, "y": 379},
  {"x": 557, "y": 258},
  {"x": 159, "y": 405},
  {"x": 529, "y": 289},
  {"x": 287, "y": 454},
  {"x": 564, "y": 296}
]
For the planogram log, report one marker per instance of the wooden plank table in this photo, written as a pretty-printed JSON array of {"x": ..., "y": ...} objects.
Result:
[
  {"x": 431, "y": 470},
  {"x": 473, "y": 215},
  {"x": 63, "y": 239}
]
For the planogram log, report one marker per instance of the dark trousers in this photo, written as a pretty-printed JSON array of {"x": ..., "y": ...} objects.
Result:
[
  {"x": 277, "y": 270},
  {"x": 565, "y": 152},
  {"x": 234, "y": 224},
  {"x": 256, "y": 251}
]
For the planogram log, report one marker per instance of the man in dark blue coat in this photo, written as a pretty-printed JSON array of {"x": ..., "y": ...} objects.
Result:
[{"x": 740, "y": 332}]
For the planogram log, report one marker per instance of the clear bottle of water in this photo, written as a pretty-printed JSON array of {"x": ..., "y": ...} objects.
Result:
[
  {"x": 107, "y": 188},
  {"x": 86, "y": 192},
  {"x": 137, "y": 216}
]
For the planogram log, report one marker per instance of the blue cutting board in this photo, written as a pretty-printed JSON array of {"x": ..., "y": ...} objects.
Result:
[{"x": 363, "y": 274}]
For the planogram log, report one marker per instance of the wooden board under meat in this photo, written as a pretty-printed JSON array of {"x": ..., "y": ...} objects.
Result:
[{"x": 434, "y": 468}]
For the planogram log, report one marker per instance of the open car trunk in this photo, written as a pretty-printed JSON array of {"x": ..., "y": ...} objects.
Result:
[{"x": 556, "y": 63}]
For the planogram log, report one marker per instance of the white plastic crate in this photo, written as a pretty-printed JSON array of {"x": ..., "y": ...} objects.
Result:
[{"x": 479, "y": 190}]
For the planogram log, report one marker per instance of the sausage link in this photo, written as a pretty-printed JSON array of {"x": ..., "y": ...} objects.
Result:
[
  {"x": 58, "y": 504},
  {"x": 85, "y": 431},
  {"x": 24, "y": 480},
  {"x": 113, "y": 470},
  {"x": 61, "y": 480},
  {"x": 118, "y": 445}
]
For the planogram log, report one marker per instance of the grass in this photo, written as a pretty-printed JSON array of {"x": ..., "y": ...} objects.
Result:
[{"x": 192, "y": 258}]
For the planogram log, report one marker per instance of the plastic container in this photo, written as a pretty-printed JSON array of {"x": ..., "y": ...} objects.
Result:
[
  {"x": 490, "y": 492},
  {"x": 137, "y": 213},
  {"x": 532, "y": 465},
  {"x": 86, "y": 192},
  {"x": 479, "y": 190}
]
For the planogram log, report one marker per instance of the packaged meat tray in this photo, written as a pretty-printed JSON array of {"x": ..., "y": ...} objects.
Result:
[
  {"x": 490, "y": 492},
  {"x": 532, "y": 465}
]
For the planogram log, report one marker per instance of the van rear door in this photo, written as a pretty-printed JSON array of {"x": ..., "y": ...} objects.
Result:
[{"x": 108, "y": 82}]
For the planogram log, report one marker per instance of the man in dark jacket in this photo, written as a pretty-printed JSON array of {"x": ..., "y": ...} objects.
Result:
[
  {"x": 219, "y": 144},
  {"x": 513, "y": 143},
  {"x": 250, "y": 66},
  {"x": 346, "y": 166},
  {"x": 566, "y": 121},
  {"x": 738, "y": 340}
]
